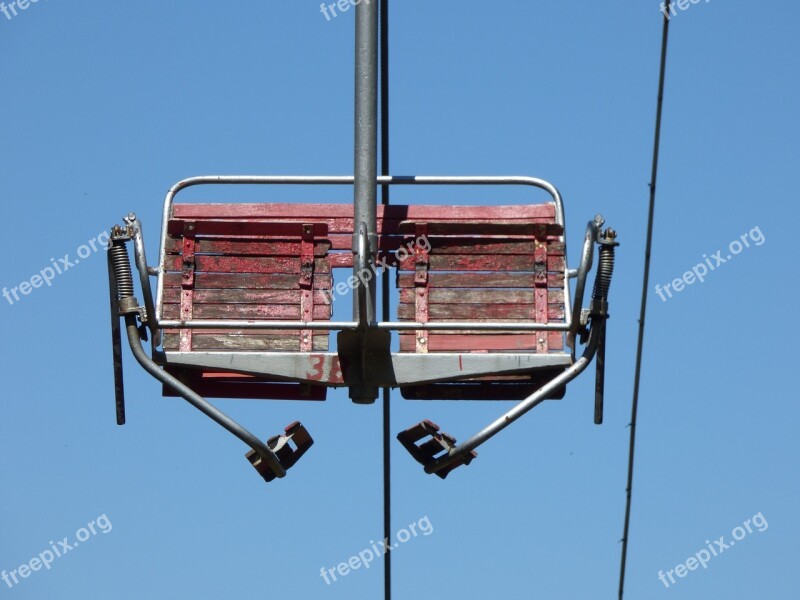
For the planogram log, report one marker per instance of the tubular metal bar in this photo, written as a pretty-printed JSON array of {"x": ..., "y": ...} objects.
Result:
[
  {"x": 198, "y": 401},
  {"x": 352, "y": 325},
  {"x": 587, "y": 257},
  {"x": 365, "y": 191},
  {"x": 345, "y": 180},
  {"x": 520, "y": 409},
  {"x": 222, "y": 324},
  {"x": 461, "y": 325},
  {"x": 144, "y": 278}
]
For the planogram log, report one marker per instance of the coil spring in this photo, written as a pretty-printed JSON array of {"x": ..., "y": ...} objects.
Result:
[
  {"x": 122, "y": 269},
  {"x": 605, "y": 269}
]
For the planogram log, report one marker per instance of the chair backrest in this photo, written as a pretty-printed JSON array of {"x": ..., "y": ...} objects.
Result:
[{"x": 490, "y": 264}]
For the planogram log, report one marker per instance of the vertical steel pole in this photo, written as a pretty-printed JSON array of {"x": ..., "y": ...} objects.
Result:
[
  {"x": 387, "y": 391},
  {"x": 366, "y": 143}
]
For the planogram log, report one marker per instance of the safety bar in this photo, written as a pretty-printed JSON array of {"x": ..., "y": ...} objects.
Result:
[
  {"x": 349, "y": 180},
  {"x": 353, "y": 325}
]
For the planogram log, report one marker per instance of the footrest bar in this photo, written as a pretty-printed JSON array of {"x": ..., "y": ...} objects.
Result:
[
  {"x": 281, "y": 447},
  {"x": 439, "y": 445}
]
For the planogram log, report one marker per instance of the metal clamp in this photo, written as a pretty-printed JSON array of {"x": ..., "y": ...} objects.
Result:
[
  {"x": 428, "y": 452},
  {"x": 287, "y": 455}
]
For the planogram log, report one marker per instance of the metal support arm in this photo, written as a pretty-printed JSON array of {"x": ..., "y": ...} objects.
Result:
[
  {"x": 198, "y": 401},
  {"x": 461, "y": 451}
]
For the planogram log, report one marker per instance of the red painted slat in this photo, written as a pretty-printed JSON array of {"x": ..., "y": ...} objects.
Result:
[
  {"x": 251, "y": 388},
  {"x": 234, "y": 247},
  {"x": 481, "y": 227},
  {"x": 469, "y": 312},
  {"x": 239, "y": 264},
  {"x": 555, "y": 340},
  {"x": 243, "y": 343},
  {"x": 476, "y": 262},
  {"x": 248, "y": 227},
  {"x": 479, "y": 280},
  {"x": 473, "y": 296},
  {"x": 239, "y": 296},
  {"x": 480, "y": 245},
  {"x": 485, "y": 262},
  {"x": 252, "y": 281},
  {"x": 471, "y": 342},
  {"x": 244, "y": 332},
  {"x": 247, "y": 311},
  {"x": 473, "y": 391}
]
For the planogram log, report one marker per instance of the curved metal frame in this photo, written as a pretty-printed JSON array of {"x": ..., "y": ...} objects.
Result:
[
  {"x": 587, "y": 258},
  {"x": 349, "y": 180}
]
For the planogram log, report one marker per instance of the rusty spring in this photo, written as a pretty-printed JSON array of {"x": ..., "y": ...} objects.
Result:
[
  {"x": 122, "y": 269},
  {"x": 605, "y": 269}
]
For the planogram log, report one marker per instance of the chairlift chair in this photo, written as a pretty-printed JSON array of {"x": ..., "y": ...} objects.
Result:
[
  {"x": 242, "y": 306},
  {"x": 243, "y": 298}
]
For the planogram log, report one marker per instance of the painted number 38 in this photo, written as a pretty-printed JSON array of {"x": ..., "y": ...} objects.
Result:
[{"x": 325, "y": 368}]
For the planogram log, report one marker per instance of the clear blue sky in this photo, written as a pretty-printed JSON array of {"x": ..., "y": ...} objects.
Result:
[{"x": 105, "y": 105}]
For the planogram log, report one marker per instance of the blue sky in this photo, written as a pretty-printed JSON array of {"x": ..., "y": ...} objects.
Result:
[{"x": 107, "y": 104}]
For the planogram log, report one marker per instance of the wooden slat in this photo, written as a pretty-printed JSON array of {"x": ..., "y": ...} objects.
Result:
[
  {"x": 474, "y": 391},
  {"x": 227, "y": 331},
  {"x": 479, "y": 227},
  {"x": 276, "y": 281},
  {"x": 343, "y": 225},
  {"x": 245, "y": 296},
  {"x": 476, "y": 312},
  {"x": 474, "y": 262},
  {"x": 479, "y": 280},
  {"x": 247, "y": 311},
  {"x": 238, "y": 264},
  {"x": 480, "y": 296},
  {"x": 480, "y": 245},
  {"x": 245, "y": 247},
  {"x": 555, "y": 340},
  {"x": 482, "y": 342},
  {"x": 471, "y": 342},
  {"x": 231, "y": 385},
  {"x": 485, "y": 262},
  {"x": 266, "y": 343}
]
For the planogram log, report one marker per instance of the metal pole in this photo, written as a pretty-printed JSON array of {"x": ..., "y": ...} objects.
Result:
[
  {"x": 365, "y": 196},
  {"x": 385, "y": 308}
]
